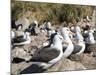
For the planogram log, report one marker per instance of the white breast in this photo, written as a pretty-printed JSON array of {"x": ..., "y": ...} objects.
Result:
[{"x": 69, "y": 46}]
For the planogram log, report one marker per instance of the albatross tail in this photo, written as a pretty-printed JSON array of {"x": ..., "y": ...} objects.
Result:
[{"x": 42, "y": 64}]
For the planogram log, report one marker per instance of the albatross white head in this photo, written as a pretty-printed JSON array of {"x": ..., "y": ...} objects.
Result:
[
  {"x": 57, "y": 41},
  {"x": 91, "y": 37},
  {"x": 78, "y": 35},
  {"x": 27, "y": 36},
  {"x": 65, "y": 32}
]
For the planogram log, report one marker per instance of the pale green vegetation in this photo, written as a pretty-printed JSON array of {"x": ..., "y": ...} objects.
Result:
[{"x": 56, "y": 13}]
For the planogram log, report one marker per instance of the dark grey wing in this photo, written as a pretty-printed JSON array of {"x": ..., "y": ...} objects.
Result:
[
  {"x": 19, "y": 39},
  {"x": 90, "y": 48},
  {"x": 77, "y": 49},
  {"x": 46, "y": 55}
]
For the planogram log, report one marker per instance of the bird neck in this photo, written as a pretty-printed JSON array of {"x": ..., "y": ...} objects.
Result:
[
  {"x": 79, "y": 36},
  {"x": 67, "y": 38},
  {"x": 91, "y": 38},
  {"x": 27, "y": 37},
  {"x": 57, "y": 43}
]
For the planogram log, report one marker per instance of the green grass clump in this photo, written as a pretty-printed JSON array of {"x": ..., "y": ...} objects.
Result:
[{"x": 57, "y": 13}]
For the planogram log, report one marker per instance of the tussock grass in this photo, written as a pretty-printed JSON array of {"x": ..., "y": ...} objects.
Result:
[{"x": 56, "y": 13}]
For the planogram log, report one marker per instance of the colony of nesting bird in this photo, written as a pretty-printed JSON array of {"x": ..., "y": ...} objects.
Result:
[{"x": 45, "y": 45}]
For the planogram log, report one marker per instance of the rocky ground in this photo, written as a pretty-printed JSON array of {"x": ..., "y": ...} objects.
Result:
[{"x": 84, "y": 61}]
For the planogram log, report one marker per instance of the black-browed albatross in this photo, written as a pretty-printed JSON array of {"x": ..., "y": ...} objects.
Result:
[{"x": 47, "y": 57}]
